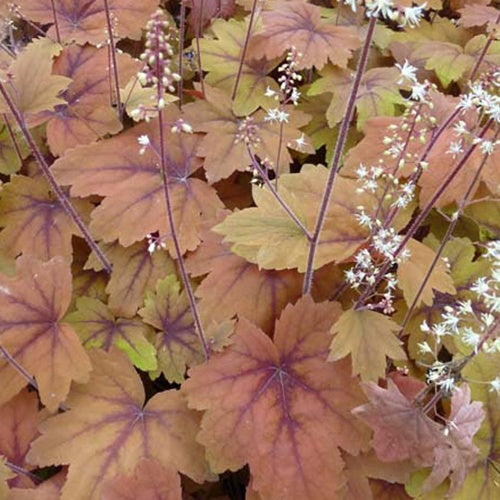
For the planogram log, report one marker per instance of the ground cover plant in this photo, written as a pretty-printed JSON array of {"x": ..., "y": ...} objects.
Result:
[{"x": 249, "y": 249}]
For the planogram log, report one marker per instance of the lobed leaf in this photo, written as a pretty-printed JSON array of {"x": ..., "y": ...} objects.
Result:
[
  {"x": 83, "y": 21},
  {"x": 369, "y": 338},
  {"x": 298, "y": 24},
  {"x": 267, "y": 236},
  {"x": 279, "y": 406},
  {"x": 32, "y": 305},
  {"x": 108, "y": 430},
  {"x": 134, "y": 203}
]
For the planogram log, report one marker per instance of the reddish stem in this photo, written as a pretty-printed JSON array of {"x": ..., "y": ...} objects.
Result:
[
  {"x": 56, "y": 23},
  {"x": 170, "y": 213},
  {"x": 244, "y": 51},
  {"x": 337, "y": 155},
  {"x": 182, "y": 28},
  {"x": 112, "y": 44}
]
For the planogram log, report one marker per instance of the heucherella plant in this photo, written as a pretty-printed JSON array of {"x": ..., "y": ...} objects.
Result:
[{"x": 249, "y": 248}]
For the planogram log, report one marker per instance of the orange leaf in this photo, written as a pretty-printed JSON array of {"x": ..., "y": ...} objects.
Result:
[
  {"x": 18, "y": 427},
  {"x": 88, "y": 114},
  {"x": 108, "y": 430},
  {"x": 84, "y": 21},
  {"x": 149, "y": 480},
  {"x": 32, "y": 304},
  {"x": 134, "y": 203},
  {"x": 280, "y": 406},
  {"x": 177, "y": 345},
  {"x": 298, "y": 24},
  {"x": 223, "y": 139},
  {"x": 34, "y": 221}
]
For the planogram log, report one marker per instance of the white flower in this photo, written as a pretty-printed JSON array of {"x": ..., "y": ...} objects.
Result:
[
  {"x": 455, "y": 149},
  {"x": 270, "y": 92},
  {"x": 487, "y": 147},
  {"x": 424, "y": 348},
  {"x": 460, "y": 128},
  {"x": 480, "y": 286},
  {"x": 413, "y": 15},
  {"x": 351, "y": 3},
  {"x": 407, "y": 71},
  {"x": 382, "y": 7},
  {"x": 143, "y": 140},
  {"x": 495, "y": 385},
  {"x": 419, "y": 91},
  {"x": 301, "y": 142},
  {"x": 470, "y": 337}
]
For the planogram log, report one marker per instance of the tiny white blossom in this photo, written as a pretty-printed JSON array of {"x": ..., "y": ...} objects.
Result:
[
  {"x": 269, "y": 92},
  {"x": 408, "y": 72},
  {"x": 413, "y": 15},
  {"x": 487, "y": 147},
  {"x": 455, "y": 149},
  {"x": 495, "y": 385},
  {"x": 143, "y": 140},
  {"x": 301, "y": 142},
  {"x": 419, "y": 91}
]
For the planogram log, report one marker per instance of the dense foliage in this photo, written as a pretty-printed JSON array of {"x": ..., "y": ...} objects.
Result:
[{"x": 249, "y": 248}]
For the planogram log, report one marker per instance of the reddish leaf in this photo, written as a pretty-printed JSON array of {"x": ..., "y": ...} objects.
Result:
[
  {"x": 177, "y": 345},
  {"x": 457, "y": 454},
  {"x": 280, "y": 407},
  {"x": 203, "y": 11},
  {"x": 224, "y": 139},
  {"x": 298, "y": 24},
  {"x": 257, "y": 295},
  {"x": 18, "y": 427},
  {"x": 50, "y": 489},
  {"x": 34, "y": 221},
  {"x": 88, "y": 113},
  {"x": 97, "y": 326},
  {"x": 150, "y": 480},
  {"x": 134, "y": 204},
  {"x": 108, "y": 430},
  {"x": 85, "y": 20},
  {"x": 479, "y": 15},
  {"x": 32, "y": 304},
  {"x": 401, "y": 430}
]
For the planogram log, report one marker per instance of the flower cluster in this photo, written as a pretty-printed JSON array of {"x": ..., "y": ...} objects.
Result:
[
  {"x": 158, "y": 61},
  {"x": 405, "y": 16},
  {"x": 287, "y": 93},
  {"x": 473, "y": 323}
]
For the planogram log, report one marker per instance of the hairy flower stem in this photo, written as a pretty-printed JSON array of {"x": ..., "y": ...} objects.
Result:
[
  {"x": 421, "y": 217},
  {"x": 337, "y": 155},
  {"x": 197, "y": 41},
  {"x": 447, "y": 236},
  {"x": 182, "y": 29},
  {"x": 61, "y": 196},
  {"x": 112, "y": 46},
  {"x": 427, "y": 151},
  {"x": 244, "y": 51},
  {"x": 170, "y": 213},
  {"x": 275, "y": 193},
  {"x": 56, "y": 22}
]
